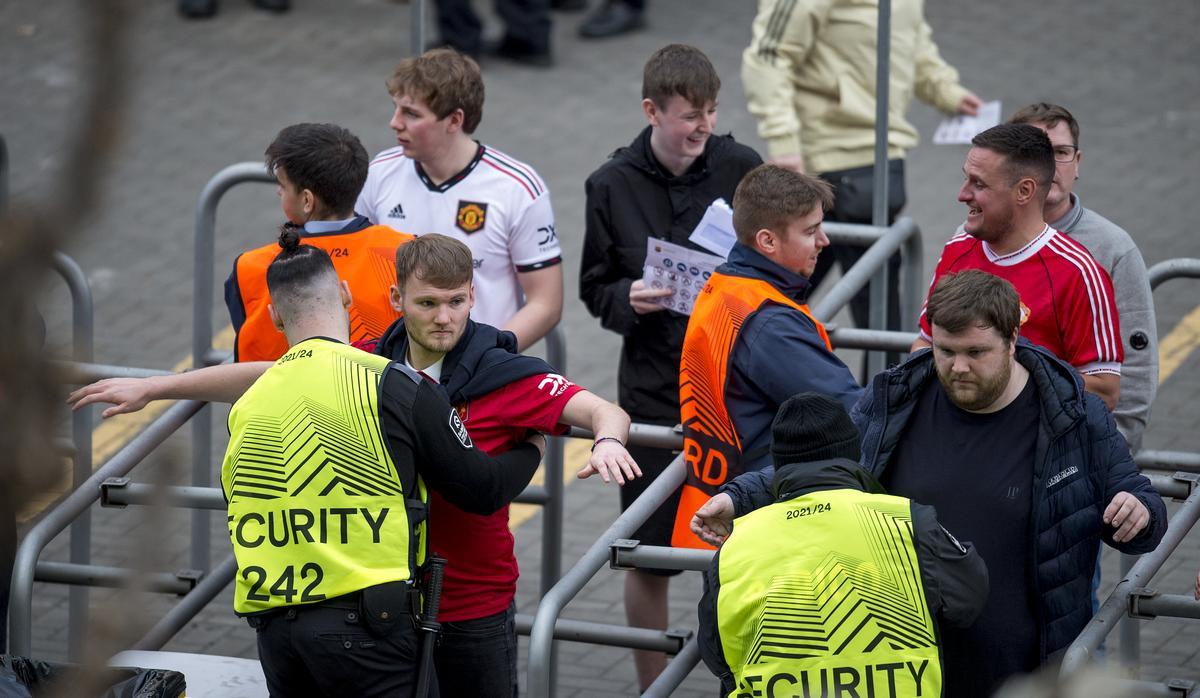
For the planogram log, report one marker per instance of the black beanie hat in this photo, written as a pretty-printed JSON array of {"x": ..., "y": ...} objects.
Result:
[{"x": 811, "y": 427}]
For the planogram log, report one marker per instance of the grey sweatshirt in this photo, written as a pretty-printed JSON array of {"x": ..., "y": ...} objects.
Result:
[{"x": 1116, "y": 252}]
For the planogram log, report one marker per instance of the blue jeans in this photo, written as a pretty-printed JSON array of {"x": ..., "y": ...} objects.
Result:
[{"x": 478, "y": 657}]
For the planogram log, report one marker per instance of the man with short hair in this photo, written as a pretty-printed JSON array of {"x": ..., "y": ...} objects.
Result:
[
  {"x": 751, "y": 341},
  {"x": 1002, "y": 439},
  {"x": 440, "y": 180},
  {"x": 1116, "y": 251},
  {"x": 1066, "y": 297},
  {"x": 659, "y": 185},
  {"x": 320, "y": 169}
]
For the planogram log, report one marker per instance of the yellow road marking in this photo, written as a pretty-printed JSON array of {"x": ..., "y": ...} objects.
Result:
[
  {"x": 575, "y": 455},
  {"x": 1176, "y": 347}
]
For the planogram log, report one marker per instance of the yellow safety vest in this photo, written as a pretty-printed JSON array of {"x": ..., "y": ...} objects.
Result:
[
  {"x": 822, "y": 595},
  {"x": 316, "y": 507}
]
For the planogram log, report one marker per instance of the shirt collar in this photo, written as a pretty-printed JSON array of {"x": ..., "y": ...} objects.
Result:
[
  {"x": 319, "y": 227},
  {"x": 1069, "y": 220},
  {"x": 432, "y": 371}
]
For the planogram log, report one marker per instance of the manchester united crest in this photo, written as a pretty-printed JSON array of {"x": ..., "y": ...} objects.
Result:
[{"x": 471, "y": 216}]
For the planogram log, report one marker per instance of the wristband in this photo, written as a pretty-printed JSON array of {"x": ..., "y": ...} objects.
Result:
[{"x": 606, "y": 438}]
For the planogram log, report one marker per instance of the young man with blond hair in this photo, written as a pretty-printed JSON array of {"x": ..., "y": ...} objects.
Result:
[{"x": 438, "y": 179}]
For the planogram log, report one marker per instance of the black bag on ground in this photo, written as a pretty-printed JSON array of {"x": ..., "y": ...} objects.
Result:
[{"x": 21, "y": 677}]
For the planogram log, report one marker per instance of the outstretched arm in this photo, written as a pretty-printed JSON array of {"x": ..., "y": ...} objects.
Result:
[
  {"x": 610, "y": 425},
  {"x": 224, "y": 383}
]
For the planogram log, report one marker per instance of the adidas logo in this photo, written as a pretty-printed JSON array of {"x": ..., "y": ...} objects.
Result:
[{"x": 397, "y": 212}]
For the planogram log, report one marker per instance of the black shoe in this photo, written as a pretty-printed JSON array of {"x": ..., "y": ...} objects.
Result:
[
  {"x": 519, "y": 52},
  {"x": 568, "y": 5},
  {"x": 197, "y": 9},
  {"x": 276, "y": 6},
  {"x": 613, "y": 19}
]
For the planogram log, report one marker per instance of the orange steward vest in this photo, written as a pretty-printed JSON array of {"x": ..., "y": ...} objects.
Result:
[
  {"x": 365, "y": 259},
  {"x": 711, "y": 448}
]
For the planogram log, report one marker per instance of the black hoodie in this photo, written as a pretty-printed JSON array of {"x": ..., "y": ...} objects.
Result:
[{"x": 629, "y": 198}]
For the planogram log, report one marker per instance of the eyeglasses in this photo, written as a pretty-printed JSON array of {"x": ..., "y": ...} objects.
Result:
[{"x": 1065, "y": 153}]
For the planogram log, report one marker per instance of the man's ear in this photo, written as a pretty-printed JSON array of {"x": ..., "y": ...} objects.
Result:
[
  {"x": 347, "y": 299},
  {"x": 275, "y": 319},
  {"x": 454, "y": 121},
  {"x": 471, "y": 297},
  {"x": 1027, "y": 191},
  {"x": 766, "y": 242},
  {"x": 308, "y": 202},
  {"x": 650, "y": 109},
  {"x": 395, "y": 298}
]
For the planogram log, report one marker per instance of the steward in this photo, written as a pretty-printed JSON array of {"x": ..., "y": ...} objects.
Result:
[
  {"x": 836, "y": 588},
  {"x": 326, "y": 471}
]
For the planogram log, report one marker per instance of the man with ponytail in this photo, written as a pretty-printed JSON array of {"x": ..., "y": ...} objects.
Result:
[{"x": 330, "y": 452}]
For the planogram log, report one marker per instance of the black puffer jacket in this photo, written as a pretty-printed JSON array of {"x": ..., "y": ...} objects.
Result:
[
  {"x": 1082, "y": 463},
  {"x": 630, "y": 198}
]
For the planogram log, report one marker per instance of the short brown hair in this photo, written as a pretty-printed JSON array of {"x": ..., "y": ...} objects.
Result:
[
  {"x": 444, "y": 80},
  {"x": 772, "y": 197},
  {"x": 974, "y": 298},
  {"x": 678, "y": 69},
  {"x": 1026, "y": 149},
  {"x": 1049, "y": 114},
  {"x": 437, "y": 259}
]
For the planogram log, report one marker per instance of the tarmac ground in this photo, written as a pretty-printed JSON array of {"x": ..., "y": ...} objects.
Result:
[{"x": 203, "y": 95}]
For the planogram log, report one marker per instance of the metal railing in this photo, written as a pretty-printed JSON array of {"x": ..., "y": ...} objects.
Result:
[
  {"x": 1119, "y": 603},
  {"x": 82, "y": 339}
]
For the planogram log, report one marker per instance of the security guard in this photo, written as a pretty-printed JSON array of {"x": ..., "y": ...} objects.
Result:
[
  {"x": 836, "y": 588},
  {"x": 329, "y": 454}
]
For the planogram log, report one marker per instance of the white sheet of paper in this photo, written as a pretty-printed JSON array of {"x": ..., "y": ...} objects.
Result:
[
  {"x": 679, "y": 269},
  {"x": 956, "y": 130},
  {"x": 714, "y": 232}
]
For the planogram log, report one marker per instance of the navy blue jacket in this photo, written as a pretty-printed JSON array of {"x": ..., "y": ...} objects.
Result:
[
  {"x": 778, "y": 353},
  {"x": 1082, "y": 462}
]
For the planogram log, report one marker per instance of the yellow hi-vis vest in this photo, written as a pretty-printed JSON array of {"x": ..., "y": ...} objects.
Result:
[
  {"x": 821, "y": 595},
  {"x": 316, "y": 507}
]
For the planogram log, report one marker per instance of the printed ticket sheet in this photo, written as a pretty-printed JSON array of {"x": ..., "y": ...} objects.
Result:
[
  {"x": 959, "y": 130},
  {"x": 679, "y": 269}
]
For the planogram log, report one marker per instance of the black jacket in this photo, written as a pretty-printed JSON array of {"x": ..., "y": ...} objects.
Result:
[
  {"x": 485, "y": 359},
  {"x": 629, "y": 198},
  {"x": 953, "y": 575},
  {"x": 1082, "y": 463}
]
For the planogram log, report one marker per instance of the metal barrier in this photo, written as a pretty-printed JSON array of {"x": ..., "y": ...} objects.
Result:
[
  {"x": 82, "y": 338},
  {"x": 72, "y": 507},
  {"x": 1119, "y": 603},
  {"x": 1181, "y": 268}
]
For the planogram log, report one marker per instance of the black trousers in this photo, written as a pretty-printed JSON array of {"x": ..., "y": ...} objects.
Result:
[
  {"x": 854, "y": 191},
  {"x": 324, "y": 651},
  {"x": 526, "y": 25}
]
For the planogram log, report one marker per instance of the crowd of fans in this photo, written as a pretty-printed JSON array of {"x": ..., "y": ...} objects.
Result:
[{"x": 945, "y": 520}]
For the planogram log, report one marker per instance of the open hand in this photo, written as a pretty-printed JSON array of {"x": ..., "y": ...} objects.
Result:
[
  {"x": 612, "y": 462},
  {"x": 713, "y": 521},
  {"x": 125, "y": 394}
]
